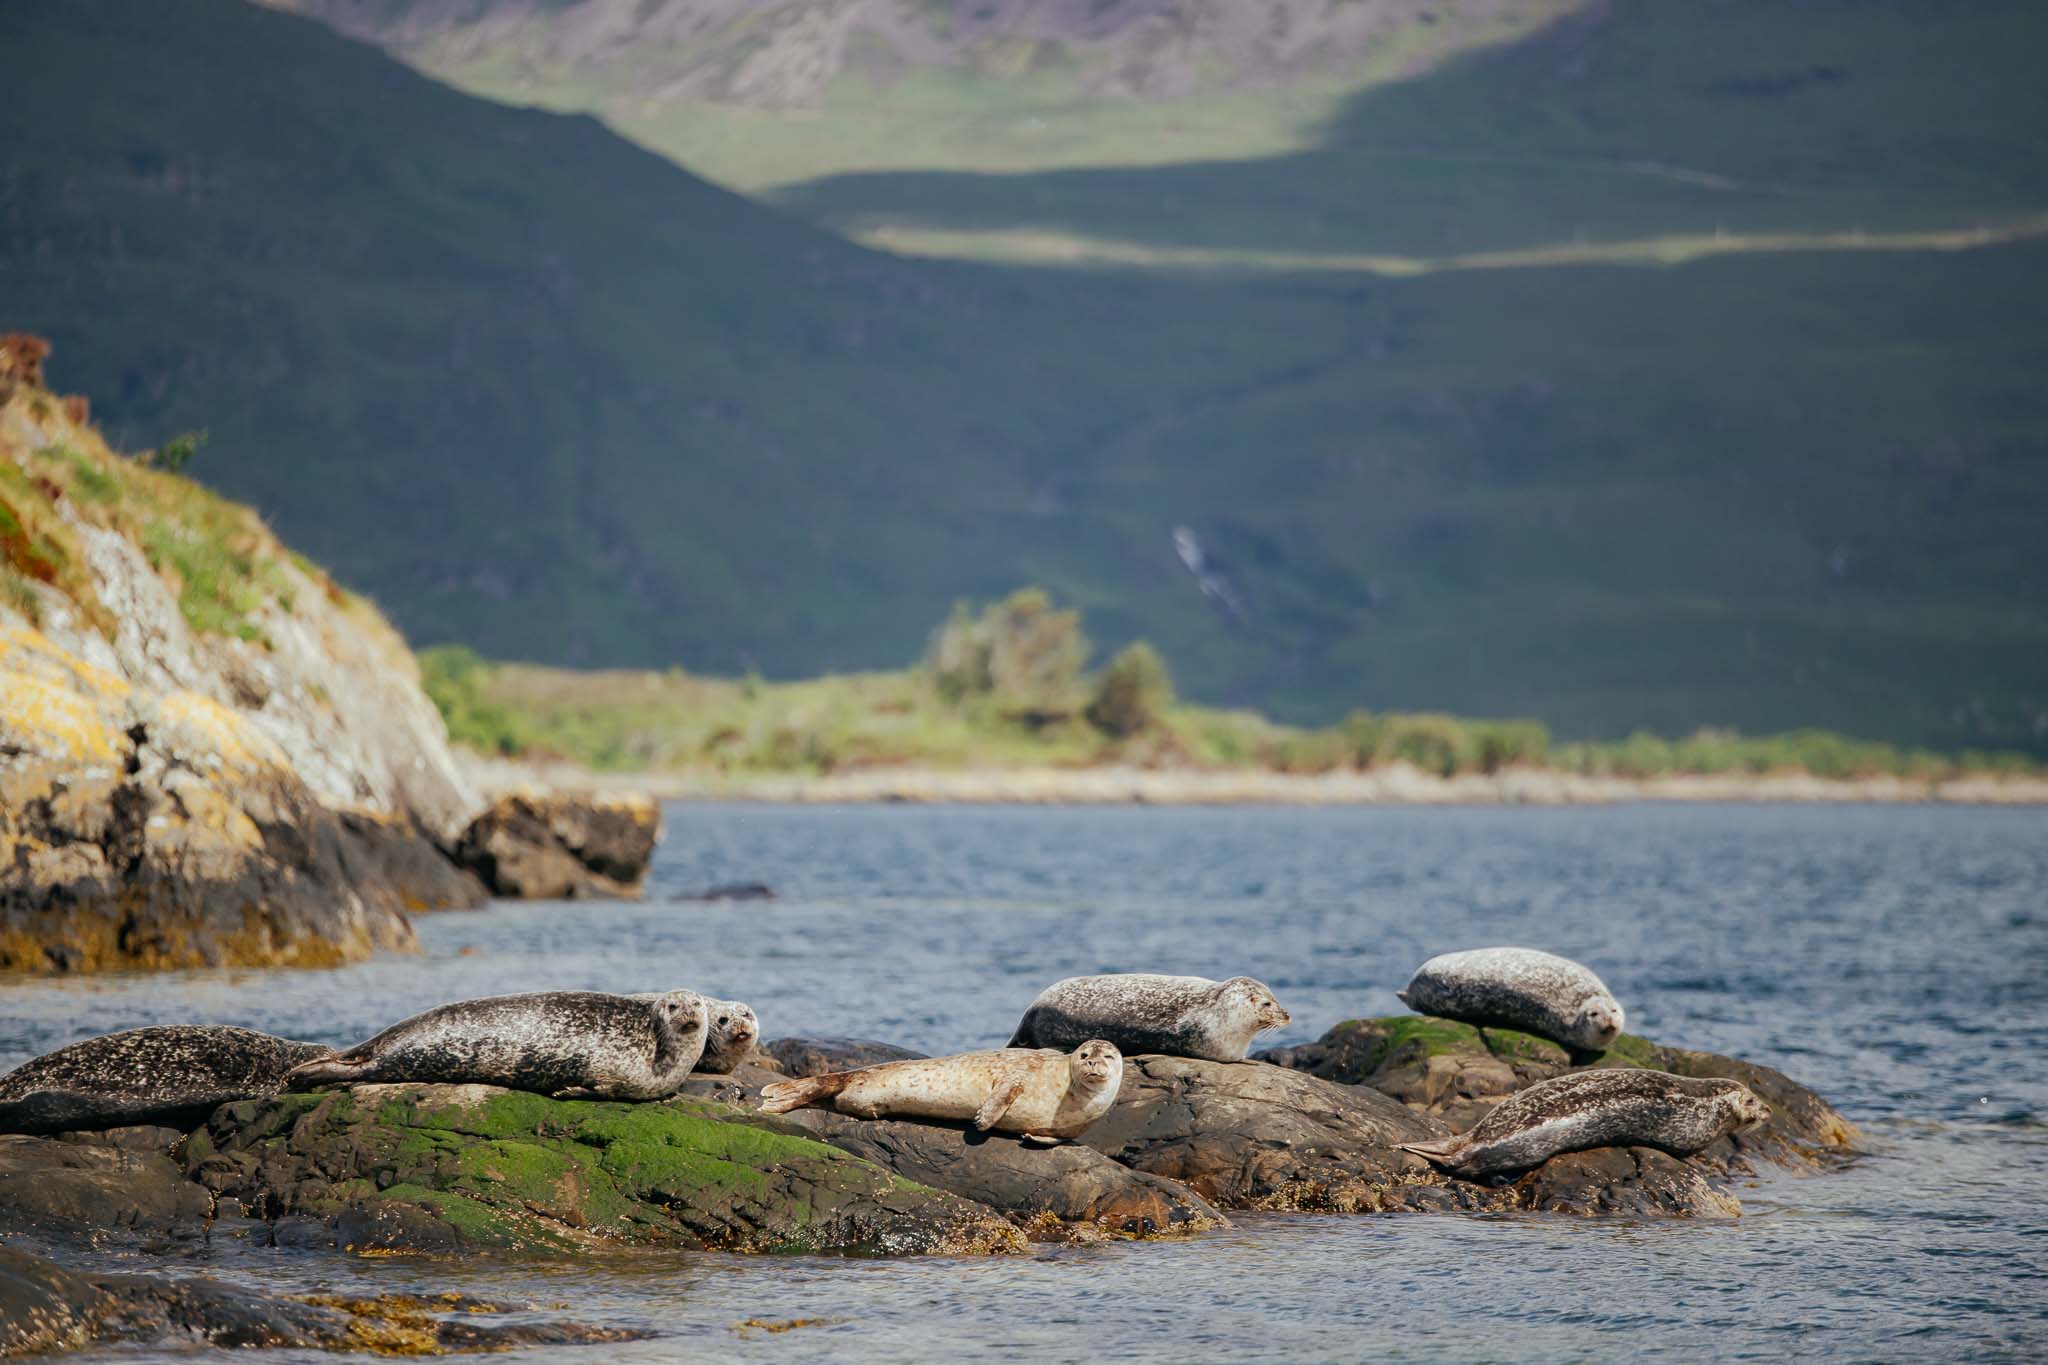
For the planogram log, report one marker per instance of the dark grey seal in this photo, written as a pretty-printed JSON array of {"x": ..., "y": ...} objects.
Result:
[
  {"x": 1616, "y": 1107},
  {"x": 1519, "y": 988},
  {"x": 173, "y": 1075},
  {"x": 1180, "y": 1016},
  {"x": 564, "y": 1043}
]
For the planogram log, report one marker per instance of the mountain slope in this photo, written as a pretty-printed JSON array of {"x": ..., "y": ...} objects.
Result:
[{"x": 543, "y": 392}]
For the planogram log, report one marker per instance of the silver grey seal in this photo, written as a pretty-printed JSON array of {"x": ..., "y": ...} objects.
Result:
[
  {"x": 1519, "y": 988},
  {"x": 563, "y": 1043},
  {"x": 1610, "y": 1107},
  {"x": 1180, "y": 1016},
  {"x": 173, "y": 1075}
]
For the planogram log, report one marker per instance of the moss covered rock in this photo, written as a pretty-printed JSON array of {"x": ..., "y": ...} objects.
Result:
[
  {"x": 448, "y": 1167},
  {"x": 1458, "y": 1073}
]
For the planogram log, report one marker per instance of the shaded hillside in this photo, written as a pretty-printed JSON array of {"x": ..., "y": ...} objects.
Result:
[{"x": 542, "y": 392}]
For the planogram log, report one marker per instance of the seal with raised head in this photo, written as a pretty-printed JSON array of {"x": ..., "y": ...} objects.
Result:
[
  {"x": 732, "y": 1032},
  {"x": 174, "y": 1075},
  {"x": 1042, "y": 1094},
  {"x": 1519, "y": 988},
  {"x": 1180, "y": 1016},
  {"x": 1610, "y": 1107},
  {"x": 563, "y": 1043}
]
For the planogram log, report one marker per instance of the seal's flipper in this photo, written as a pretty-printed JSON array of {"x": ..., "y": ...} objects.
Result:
[
  {"x": 1402, "y": 996},
  {"x": 1442, "y": 1152},
  {"x": 993, "y": 1108},
  {"x": 782, "y": 1096},
  {"x": 1022, "y": 1037},
  {"x": 338, "y": 1069},
  {"x": 1043, "y": 1140}
]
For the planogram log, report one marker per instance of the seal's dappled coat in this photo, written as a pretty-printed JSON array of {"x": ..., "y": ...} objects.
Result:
[
  {"x": 1519, "y": 988},
  {"x": 172, "y": 1074},
  {"x": 1040, "y": 1093},
  {"x": 731, "y": 1032},
  {"x": 1617, "y": 1107},
  {"x": 1180, "y": 1016},
  {"x": 612, "y": 1047}
]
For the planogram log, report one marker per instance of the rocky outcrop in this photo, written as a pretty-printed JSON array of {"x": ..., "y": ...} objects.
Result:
[
  {"x": 1055, "y": 1193},
  {"x": 141, "y": 828},
  {"x": 44, "y": 1307},
  {"x": 537, "y": 846},
  {"x": 85, "y": 1187},
  {"x": 1457, "y": 1073},
  {"x": 441, "y": 1168}
]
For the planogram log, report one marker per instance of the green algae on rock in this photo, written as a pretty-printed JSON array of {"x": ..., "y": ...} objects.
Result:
[{"x": 447, "y": 1167}]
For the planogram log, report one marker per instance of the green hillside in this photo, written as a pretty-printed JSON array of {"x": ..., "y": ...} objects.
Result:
[{"x": 548, "y": 395}]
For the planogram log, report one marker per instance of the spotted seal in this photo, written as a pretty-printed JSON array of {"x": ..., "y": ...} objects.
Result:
[
  {"x": 733, "y": 1031},
  {"x": 1181, "y": 1016},
  {"x": 1610, "y": 1107},
  {"x": 1043, "y": 1094},
  {"x": 1519, "y": 988},
  {"x": 563, "y": 1043},
  {"x": 174, "y": 1075}
]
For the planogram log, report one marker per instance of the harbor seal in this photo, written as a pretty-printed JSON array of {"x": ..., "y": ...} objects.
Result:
[
  {"x": 582, "y": 1044},
  {"x": 1519, "y": 988},
  {"x": 1618, "y": 1107},
  {"x": 732, "y": 1032},
  {"x": 1041, "y": 1094},
  {"x": 1181, "y": 1016},
  {"x": 173, "y": 1075}
]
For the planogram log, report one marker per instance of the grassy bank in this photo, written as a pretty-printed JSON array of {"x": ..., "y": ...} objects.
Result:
[{"x": 1006, "y": 690}]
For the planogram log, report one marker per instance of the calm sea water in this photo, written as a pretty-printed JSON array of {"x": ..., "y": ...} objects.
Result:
[{"x": 1894, "y": 959}]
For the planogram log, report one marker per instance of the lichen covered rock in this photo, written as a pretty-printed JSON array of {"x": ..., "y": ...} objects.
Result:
[
  {"x": 560, "y": 846},
  {"x": 446, "y": 1167},
  {"x": 162, "y": 829}
]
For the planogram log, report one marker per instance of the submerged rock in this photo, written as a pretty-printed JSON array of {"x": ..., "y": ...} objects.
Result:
[
  {"x": 559, "y": 846},
  {"x": 441, "y": 1167},
  {"x": 163, "y": 829},
  {"x": 44, "y": 1307}
]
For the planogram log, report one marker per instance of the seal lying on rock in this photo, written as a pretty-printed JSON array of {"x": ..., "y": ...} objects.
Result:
[
  {"x": 174, "y": 1075},
  {"x": 1041, "y": 1093},
  {"x": 1520, "y": 988},
  {"x": 563, "y": 1043},
  {"x": 1604, "y": 1108},
  {"x": 1179, "y": 1016}
]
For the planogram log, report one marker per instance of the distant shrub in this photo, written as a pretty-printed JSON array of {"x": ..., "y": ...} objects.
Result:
[
  {"x": 454, "y": 677},
  {"x": 176, "y": 453},
  {"x": 1020, "y": 652},
  {"x": 1132, "y": 693}
]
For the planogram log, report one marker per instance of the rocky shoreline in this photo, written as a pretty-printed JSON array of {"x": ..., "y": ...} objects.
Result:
[
  {"x": 480, "y": 1171},
  {"x": 1394, "y": 784}
]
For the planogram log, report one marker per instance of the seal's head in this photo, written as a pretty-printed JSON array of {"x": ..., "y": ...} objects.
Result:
[
  {"x": 679, "y": 1017},
  {"x": 1598, "y": 1024},
  {"x": 1095, "y": 1065},
  {"x": 733, "y": 1030},
  {"x": 1266, "y": 1012},
  {"x": 1741, "y": 1104}
]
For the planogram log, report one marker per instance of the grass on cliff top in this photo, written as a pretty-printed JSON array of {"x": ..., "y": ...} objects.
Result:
[
  {"x": 57, "y": 471},
  {"x": 1007, "y": 689}
]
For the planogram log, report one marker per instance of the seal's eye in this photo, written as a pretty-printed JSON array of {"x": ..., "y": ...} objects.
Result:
[{"x": 725, "y": 1019}]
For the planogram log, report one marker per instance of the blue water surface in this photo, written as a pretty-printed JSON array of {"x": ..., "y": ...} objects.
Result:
[{"x": 1896, "y": 959}]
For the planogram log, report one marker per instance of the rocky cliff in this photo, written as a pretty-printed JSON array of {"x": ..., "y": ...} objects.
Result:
[{"x": 210, "y": 753}]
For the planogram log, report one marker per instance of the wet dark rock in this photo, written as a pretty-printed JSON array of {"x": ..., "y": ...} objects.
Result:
[
  {"x": 74, "y": 1188},
  {"x": 817, "y": 1056},
  {"x": 561, "y": 846},
  {"x": 1247, "y": 1135},
  {"x": 45, "y": 1307},
  {"x": 442, "y": 1167},
  {"x": 1051, "y": 1190}
]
